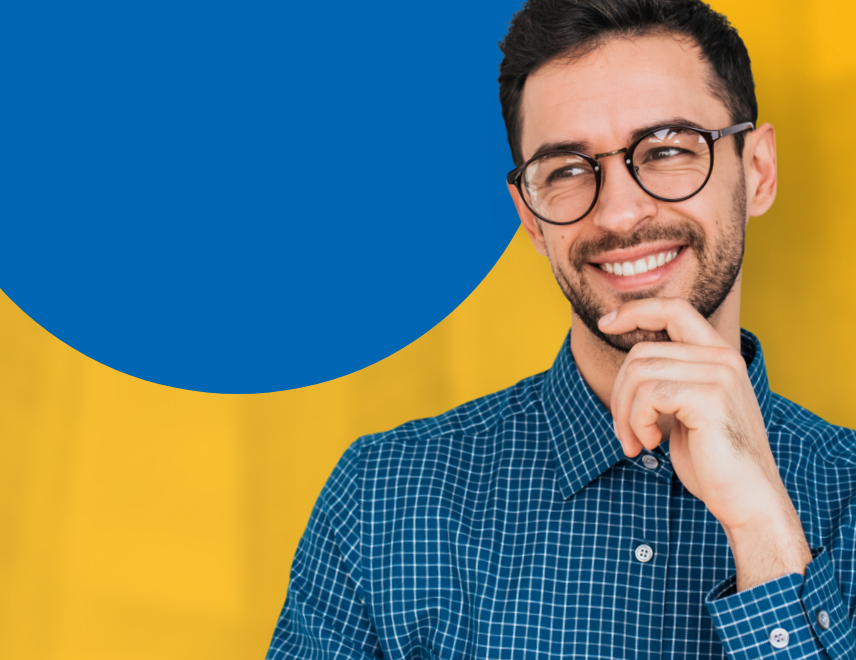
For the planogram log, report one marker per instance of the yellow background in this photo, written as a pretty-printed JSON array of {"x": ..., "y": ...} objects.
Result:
[{"x": 140, "y": 521}]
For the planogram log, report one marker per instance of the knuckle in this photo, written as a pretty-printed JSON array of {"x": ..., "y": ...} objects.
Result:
[
  {"x": 721, "y": 373},
  {"x": 734, "y": 379},
  {"x": 680, "y": 304},
  {"x": 635, "y": 368},
  {"x": 649, "y": 388},
  {"x": 631, "y": 354},
  {"x": 640, "y": 350},
  {"x": 735, "y": 360},
  {"x": 728, "y": 376},
  {"x": 646, "y": 349},
  {"x": 664, "y": 389}
]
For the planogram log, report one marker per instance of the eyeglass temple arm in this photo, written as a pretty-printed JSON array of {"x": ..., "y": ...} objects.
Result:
[
  {"x": 511, "y": 177},
  {"x": 737, "y": 128}
]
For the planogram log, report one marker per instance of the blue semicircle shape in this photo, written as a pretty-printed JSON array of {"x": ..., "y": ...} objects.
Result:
[{"x": 250, "y": 197}]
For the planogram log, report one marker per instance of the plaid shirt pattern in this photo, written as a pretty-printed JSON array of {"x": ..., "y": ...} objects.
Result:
[{"x": 513, "y": 527}]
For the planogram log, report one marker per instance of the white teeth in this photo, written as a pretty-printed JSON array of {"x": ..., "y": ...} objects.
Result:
[{"x": 626, "y": 268}]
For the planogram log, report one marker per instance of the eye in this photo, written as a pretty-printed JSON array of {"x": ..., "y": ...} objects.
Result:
[
  {"x": 568, "y": 172},
  {"x": 664, "y": 153}
]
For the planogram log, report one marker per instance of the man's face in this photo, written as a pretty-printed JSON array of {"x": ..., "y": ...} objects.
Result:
[{"x": 599, "y": 101}]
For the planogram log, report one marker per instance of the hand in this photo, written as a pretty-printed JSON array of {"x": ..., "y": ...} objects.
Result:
[{"x": 718, "y": 442}]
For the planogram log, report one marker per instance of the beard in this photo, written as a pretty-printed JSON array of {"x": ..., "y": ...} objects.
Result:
[{"x": 719, "y": 268}]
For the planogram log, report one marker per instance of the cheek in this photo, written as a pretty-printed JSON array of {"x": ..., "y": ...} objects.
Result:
[
  {"x": 558, "y": 246},
  {"x": 711, "y": 209},
  {"x": 717, "y": 198}
]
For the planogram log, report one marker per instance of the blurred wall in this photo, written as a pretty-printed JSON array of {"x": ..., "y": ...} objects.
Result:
[{"x": 140, "y": 521}]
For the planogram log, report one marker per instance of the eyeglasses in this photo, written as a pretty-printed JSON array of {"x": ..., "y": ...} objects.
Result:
[{"x": 670, "y": 163}]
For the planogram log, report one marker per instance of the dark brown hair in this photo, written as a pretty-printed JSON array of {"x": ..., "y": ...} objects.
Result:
[{"x": 544, "y": 30}]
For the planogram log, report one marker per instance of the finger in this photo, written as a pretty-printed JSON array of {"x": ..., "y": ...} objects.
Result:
[
  {"x": 676, "y": 316},
  {"x": 642, "y": 416},
  {"x": 681, "y": 460},
  {"x": 637, "y": 372},
  {"x": 689, "y": 402},
  {"x": 676, "y": 351},
  {"x": 629, "y": 442},
  {"x": 688, "y": 353}
]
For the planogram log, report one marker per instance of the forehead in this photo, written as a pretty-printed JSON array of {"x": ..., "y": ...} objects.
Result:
[{"x": 601, "y": 98}]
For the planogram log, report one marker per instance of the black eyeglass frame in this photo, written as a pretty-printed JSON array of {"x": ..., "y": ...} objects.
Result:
[{"x": 514, "y": 177}]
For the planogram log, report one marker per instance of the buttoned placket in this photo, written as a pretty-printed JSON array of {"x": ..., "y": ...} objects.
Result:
[{"x": 649, "y": 552}]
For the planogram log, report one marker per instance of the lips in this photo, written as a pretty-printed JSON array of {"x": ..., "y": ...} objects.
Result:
[{"x": 645, "y": 265}]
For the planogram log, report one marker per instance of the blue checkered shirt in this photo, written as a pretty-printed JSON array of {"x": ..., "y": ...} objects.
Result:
[{"x": 514, "y": 527}]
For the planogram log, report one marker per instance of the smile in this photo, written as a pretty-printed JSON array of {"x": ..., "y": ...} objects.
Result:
[{"x": 628, "y": 268}]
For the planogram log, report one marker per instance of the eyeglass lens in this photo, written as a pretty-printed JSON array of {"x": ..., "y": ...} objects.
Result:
[{"x": 671, "y": 163}]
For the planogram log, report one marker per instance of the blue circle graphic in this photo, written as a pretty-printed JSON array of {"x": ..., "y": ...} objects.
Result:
[{"x": 250, "y": 197}]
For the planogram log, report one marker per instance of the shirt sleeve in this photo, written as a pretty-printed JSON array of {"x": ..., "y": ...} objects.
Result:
[
  {"x": 325, "y": 615},
  {"x": 793, "y": 616}
]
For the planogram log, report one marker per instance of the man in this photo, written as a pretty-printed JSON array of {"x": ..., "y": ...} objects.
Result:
[{"x": 648, "y": 496}]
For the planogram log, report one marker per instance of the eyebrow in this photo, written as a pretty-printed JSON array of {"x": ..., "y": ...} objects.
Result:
[{"x": 584, "y": 147}]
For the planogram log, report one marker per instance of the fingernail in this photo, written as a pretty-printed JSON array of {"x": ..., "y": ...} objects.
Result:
[
  {"x": 609, "y": 318},
  {"x": 615, "y": 428}
]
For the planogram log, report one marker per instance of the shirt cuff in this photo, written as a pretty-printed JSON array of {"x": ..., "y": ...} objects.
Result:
[{"x": 784, "y": 618}]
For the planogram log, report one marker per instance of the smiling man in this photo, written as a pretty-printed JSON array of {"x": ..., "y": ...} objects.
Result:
[{"x": 648, "y": 496}]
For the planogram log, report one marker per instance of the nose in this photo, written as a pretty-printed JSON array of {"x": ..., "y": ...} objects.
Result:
[{"x": 622, "y": 205}]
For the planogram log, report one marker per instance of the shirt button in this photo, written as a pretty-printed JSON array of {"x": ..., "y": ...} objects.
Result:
[
  {"x": 779, "y": 638},
  {"x": 822, "y": 619},
  {"x": 644, "y": 553},
  {"x": 650, "y": 462}
]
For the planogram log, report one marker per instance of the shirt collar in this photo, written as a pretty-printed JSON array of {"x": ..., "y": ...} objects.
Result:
[{"x": 583, "y": 442}]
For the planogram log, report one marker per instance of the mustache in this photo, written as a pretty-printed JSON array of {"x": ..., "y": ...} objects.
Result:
[{"x": 685, "y": 232}]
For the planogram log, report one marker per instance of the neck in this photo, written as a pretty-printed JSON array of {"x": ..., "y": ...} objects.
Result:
[{"x": 599, "y": 362}]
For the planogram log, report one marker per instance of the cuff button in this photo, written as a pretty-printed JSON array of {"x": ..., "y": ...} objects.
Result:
[
  {"x": 779, "y": 638},
  {"x": 823, "y": 619}
]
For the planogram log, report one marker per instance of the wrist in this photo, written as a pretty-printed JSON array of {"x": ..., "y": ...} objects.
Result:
[{"x": 769, "y": 547}]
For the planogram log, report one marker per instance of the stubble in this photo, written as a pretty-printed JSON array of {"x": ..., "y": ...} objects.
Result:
[{"x": 719, "y": 268}]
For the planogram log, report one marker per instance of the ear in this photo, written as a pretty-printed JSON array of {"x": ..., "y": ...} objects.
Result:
[
  {"x": 759, "y": 165},
  {"x": 529, "y": 221}
]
